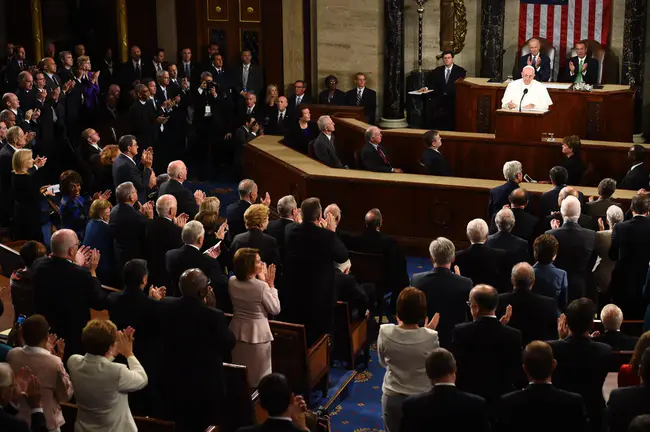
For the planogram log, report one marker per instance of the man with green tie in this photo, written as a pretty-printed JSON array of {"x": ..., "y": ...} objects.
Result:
[{"x": 582, "y": 68}]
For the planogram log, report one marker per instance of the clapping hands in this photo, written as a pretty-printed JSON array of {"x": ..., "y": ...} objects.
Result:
[
  {"x": 181, "y": 220},
  {"x": 223, "y": 229},
  {"x": 55, "y": 345},
  {"x": 199, "y": 196},
  {"x": 157, "y": 293},
  {"x": 147, "y": 209}
]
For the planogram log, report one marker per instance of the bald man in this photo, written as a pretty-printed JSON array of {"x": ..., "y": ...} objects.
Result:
[
  {"x": 162, "y": 234},
  {"x": 279, "y": 120},
  {"x": 196, "y": 340},
  {"x": 538, "y": 60},
  {"x": 66, "y": 288},
  {"x": 188, "y": 203},
  {"x": 526, "y": 93}
]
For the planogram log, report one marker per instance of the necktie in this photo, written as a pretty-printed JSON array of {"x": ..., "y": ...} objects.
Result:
[
  {"x": 446, "y": 75},
  {"x": 112, "y": 111},
  {"x": 187, "y": 70},
  {"x": 164, "y": 93},
  {"x": 249, "y": 110},
  {"x": 298, "y": 100},
  {"x": 358, "y": 97},
  {"x": 383, "y": 156},
  {"x": 579, "y": 72},
  {"x": 138, "y": 72},
  {"x": 158, "y": 67},
  {"x": 20, "y": 64},
  {"x": 55, "y": 118},
  {"x": 245, "y": 77},
  {"x": 281, "y": 118}
]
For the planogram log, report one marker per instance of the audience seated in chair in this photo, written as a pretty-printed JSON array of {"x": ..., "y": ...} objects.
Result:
[
  {"x": 597, "y": 207},
  {"x": 612, "y": 318}
]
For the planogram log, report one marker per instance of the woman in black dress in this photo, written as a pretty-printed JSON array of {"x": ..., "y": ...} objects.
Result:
[
  {"x": 574, "y": 164},
  {"x": 301, "y": 132}
]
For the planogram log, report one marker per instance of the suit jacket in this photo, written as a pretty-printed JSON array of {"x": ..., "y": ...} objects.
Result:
[
  {"x": 271, "y": 425},
  {"x": 108, "y": 408},
  {"x": 516, "y": 248},
  {"x": 635, "y": 179},
  {"x": 552, "y": 408},
  {"x": 630, "y": 251},
  {"x": 309, "y": 276},
  {"x": 64, "y": 294},
  {"x": 184, "y": 197},
  {"x": 371, "y": 160},
  {"x": 552, "y": 282},
  {"x": 128, "y": 74},
  {"x": 445, "y": 90},
  {"x": 11, "y": 423},
  {"x": 499, "y": 196},
  {"x": 292, "y": 106},
  {"x": 298, "y": 138},
  {"x": 275, "y": 127},
  {"x": 142, "y": 123},
  {"x": 619, "y": 341},
  {"x": 128, "y": 227},
  {"x": 98, "y": 236},
  {"x": 435, "y": 163},
  {"x": 589, "y": 77},
  {"x": 598, "y": 209},
  {"x": 624, "y": 405},
  {"x": 525, "y": 225},
  {"x": 368, "y": 102},
  {"x": 235, "y": 217},
  {"x": 27, "y": 98},
  {"x": 338, "y": 98},
  {"x": 487, "y": 345},
  {"x": 447, "y": 408},
  {"x": 542, "y": 74},
  {"x": 243, "y": 136},
  {"x": 160, "y": 235},
  {"x": 53, "y": 82},
  {"x": 254, "y": 238},
  {"x": 576, "y": 168},
  {"x": 126, "y": 170},
  {"x": 535, "y": 316},
  {"x": 582, "y": 366},
  {"x": 111, "y": 124},
  {"x": 575, "y": 255},
  {"x": 12, "y": 72},
  {"x": 276, "y": 230},
  {"x": 548, "y": 201},
  {"x": 325, "y": 150},
  {"x": 484, "y": 265},
  {"x": 255, "y": 82},
  {"x": 187, "y": 257},
  {"x": 447, "y": 294}
]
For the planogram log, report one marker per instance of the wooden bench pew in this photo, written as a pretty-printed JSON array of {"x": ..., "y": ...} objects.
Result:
[
  {"x": 629, "y": 327},
  {"x": 144, "y": 424},
  {"x": 350, "y": 336}
]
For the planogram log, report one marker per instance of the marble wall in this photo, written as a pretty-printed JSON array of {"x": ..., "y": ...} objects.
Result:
[{"x": 293, "y": 42}]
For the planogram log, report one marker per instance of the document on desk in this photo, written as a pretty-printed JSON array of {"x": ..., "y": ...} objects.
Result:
[
  {"x": 533, "y": 110},
  {"x": 418, "y": 92},
  {"x": 558, "y": 86}
]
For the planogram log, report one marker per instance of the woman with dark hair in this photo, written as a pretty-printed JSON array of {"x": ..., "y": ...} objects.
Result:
[
  {"x": 253, "y": 297},
  {"x": 301, "y": 132},
  {"x": 21, "y": 284},
  {"x": 331, "y": 96},
  {"x": 403, "y": 349},
  {"x": 628, "y": 374},
  {"x": 574, "y": 164},
  {"x": 74, "y": 207}
]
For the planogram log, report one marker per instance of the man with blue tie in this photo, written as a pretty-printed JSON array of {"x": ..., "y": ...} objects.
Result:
[
  {"x": 363, "y": 96},
  {"x": 373, "y": 157}
]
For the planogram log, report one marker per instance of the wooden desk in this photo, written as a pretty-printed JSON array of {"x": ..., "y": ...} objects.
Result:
[
  {"x": 479, "y": 155},
  {"x": 606, "y": 114},
  {"x": 342, "y": 111},
  {"x": 516, "y": 125},
  {"x": 415, "y": 208}
]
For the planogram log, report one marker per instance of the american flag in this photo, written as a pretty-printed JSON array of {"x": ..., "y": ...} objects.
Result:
[{"x": 565, "y": 22}]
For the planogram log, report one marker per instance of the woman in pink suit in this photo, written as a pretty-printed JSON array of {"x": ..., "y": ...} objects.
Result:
[{"x": 253, "y": 298}]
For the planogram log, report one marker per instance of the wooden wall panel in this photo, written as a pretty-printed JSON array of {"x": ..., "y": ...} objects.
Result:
[{"x": 142, "y": 25}]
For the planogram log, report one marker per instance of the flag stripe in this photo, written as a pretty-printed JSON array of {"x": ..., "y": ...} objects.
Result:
[
  {"x": 529, "y": 21},
  {"x": 592, "y": 21},
  {"x": 536, "y": 20},
  {"x": 542, "y": 21}
]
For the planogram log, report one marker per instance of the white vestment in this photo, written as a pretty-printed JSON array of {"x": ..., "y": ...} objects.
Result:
[{"x": 537, "y": 95}]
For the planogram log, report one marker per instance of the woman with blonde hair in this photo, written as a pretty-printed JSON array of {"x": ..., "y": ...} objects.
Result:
[
  {"x": 256, "y": 219},
  {"x": 253, "y": 297},
  {"x": 272, "y": 95},
  {"x": 103, "y": 169},
  {"x": 29, "y": 198},
  {"x": 210, "y": 204}
]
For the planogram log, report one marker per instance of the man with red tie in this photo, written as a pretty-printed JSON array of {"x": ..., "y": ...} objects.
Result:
[{"x": 373, "y": 156}]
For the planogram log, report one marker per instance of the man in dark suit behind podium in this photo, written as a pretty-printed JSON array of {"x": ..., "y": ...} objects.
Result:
[
  {"x": 581, "y": 68},
  {"x": 443, "y": 81},
  {"x": 541, "y": 62},
  {"x": 363, "y": 96},
  {"x": 373, "y": 157},
  {"x": 433, "y": 161}
]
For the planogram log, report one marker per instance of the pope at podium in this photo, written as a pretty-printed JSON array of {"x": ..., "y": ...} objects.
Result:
[{"x": 531, "y": 94}]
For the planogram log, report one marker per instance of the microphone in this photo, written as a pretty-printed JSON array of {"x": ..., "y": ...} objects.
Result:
[{"x": 522, "y": 98}]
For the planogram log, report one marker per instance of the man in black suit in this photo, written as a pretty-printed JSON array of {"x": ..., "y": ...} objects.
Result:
[
  {"x": 499, "y": 196},
  {"x": 128, "y": 224},
  {"x": 627, "y": 403},
  {"x": 372, "y": 156},
  {"x": 525, "y": 223},
  {"x": 310, "y": 253},
  {"x": 612, "y": 317},
  {"x": 109, "y": 71},
  {"x": 10, "y": 386},
  {"x": 446, "y": 290},
  {"x": 66, "y": 288},
  {"x": 637, "y": 176},
  {"x": 444, "y": 407},
  {"x": 597, "y": 208},
  {"x": 432, "y": 160},
  {"x": 189, "y": 256},
  {"x": 188, "y": 203},
  {"x": 324, "y": 146},
  {"x": 17, "y": 64},
  {"x": 581, "y": 68},
  {"x": 363, "y": 96},
  {"x": 541, "y": 62},
  {"x": 285, "y": 410},
  {"x": 584, "y": 220},
  {"x": 481, "y": 263},
  {"x": 517, "y": 249},
  {"x": 145, "y": 118},
  {"x": 244, "y": 134},
  {"x": 163, "y": 234},
  {"x": 247, "y": 190},
  {"x": 631, "y": 254},
  {"x": 535, "y": 316},
  {"x": 51, "y": 78},
  {"x": 26, "y": 93},
  {"x": 157, "y": 64},
  {"x": 111, "y": 120},
  {"x": 221, "y": 76},
  {"x": 249, "y": 108},
  {"x": 66, "y": 72},
  {"x": 248, "y": 78},
  {"x": 187, "y": 68},
  {"x": 125, "y": 169},
  {"x": 487, "y": 345},
  {"x": 582, "y": 364},
  {"x": 576, "y": 253},
  {"x": 131, "y": 70},
  {"x": 23, "y": 119},
  {"x": 443, "y": 81},
  {"x": 88, "y": 152},
  {"x": 196, "y": 341},
  {"x": 279, "y": 119},
  {"x": 548, "y": 202},
  {"x": 541, "y": 407},
  {"x": 289, "y": 214},
  {"x": 299, "y": 97}
]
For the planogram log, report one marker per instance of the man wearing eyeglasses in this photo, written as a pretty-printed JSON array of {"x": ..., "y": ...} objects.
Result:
[{"x": 300, "y": 97}]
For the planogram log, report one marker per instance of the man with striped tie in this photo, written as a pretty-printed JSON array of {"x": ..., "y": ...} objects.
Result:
[
  {"x": 582, "y": 68},
  {"x": 363, "y": 96}
]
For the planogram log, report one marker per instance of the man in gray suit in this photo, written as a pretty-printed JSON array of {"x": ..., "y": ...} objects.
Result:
[{"x": 324, "y": 147}]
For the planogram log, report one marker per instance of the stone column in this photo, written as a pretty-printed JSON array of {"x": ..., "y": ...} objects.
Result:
[
  {"x": 393, "y": 103},
  {"x": 37, "y": 29},
  {"x": 492, "y": 19},
  {"x": 122, "y": 31},
  {"x": 634, "y": 43}
]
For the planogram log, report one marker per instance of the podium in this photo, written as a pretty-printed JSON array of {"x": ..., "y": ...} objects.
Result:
[{"x": 522, "y": 126}]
